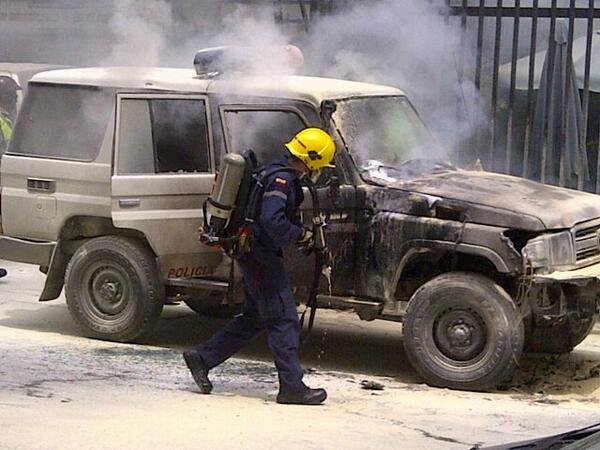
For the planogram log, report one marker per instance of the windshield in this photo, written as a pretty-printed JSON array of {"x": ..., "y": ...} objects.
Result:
[{"x": 384, "y": 135}]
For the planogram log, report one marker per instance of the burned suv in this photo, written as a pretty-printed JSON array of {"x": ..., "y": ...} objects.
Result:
[{"x": 104, "y": 182}]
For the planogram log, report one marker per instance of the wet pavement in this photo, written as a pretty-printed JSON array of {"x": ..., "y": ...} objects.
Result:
[{"x": 59, "y": 389}]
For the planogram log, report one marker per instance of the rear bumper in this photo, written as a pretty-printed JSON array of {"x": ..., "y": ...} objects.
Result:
[{"x": 21, "y": 250}]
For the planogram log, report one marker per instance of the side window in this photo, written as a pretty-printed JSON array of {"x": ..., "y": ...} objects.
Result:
[
  {"x": 60, "y": 121},
  {"x": 263, "y": 131},
  {"x": 136, "y": 153},
  {"x": 163, "y": 136}
]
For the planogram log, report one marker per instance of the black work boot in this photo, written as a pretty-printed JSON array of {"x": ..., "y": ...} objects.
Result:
[
  {"x": 199, "y": 370},
  {"x": 306, "y": 396}
]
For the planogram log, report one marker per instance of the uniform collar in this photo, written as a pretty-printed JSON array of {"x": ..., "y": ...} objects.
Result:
[{"x": 282, "y": 161}]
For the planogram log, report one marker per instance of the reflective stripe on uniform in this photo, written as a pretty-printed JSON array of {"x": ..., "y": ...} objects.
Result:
[
  {"x": 5, "y": 128},
  {"x": 276, "y": 194}
]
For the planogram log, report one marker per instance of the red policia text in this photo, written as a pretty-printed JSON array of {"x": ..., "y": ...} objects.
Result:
[{"x": 188, "y": 272}]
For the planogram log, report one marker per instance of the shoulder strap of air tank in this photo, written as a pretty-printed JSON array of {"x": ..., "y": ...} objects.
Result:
[{"x": 259, "y": 189}]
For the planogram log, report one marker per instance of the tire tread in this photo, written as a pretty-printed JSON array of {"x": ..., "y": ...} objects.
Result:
[{"x": 483, "y": 285}]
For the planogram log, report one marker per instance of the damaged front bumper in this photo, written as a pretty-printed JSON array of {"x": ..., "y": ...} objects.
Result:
[
  {"x": 583, "y": 275},
  {"x": 555, "y": 295}
]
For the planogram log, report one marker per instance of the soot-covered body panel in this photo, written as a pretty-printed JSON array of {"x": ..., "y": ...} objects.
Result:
[
  {"x": 502, "y": 200},
  {"x": 397, "y": 225}
]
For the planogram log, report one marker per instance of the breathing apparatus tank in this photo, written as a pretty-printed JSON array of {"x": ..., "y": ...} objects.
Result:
[
  {"x": 231, "y": 209},
  {"x": 222, "y": 202}
]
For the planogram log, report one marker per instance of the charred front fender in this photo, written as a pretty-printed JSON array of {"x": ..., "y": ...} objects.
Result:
[{"x": 393, "y": 239}]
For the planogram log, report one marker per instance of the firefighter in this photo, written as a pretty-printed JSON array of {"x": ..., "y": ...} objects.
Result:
[
  {"x": 269, "y": 303},
  {"x": 8, "y": 107}
]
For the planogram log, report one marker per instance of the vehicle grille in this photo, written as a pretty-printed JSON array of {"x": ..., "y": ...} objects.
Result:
[{"x": 587, "y": 242}]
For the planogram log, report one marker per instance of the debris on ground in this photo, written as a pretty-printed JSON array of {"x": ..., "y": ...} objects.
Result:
[
  {"x": 556, "y": 375},
  {"x": 371, "y": 385}
]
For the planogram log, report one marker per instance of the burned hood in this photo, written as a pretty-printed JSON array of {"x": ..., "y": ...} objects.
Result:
[{"x": 503, "y": 200}]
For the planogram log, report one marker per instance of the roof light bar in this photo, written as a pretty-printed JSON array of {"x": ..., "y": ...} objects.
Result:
[{"x": 210, "y": 62}]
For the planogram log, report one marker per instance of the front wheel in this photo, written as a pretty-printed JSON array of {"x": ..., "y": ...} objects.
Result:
[
  {"x": 112, "y": 289},
  {"x": 463, "y": 331}
]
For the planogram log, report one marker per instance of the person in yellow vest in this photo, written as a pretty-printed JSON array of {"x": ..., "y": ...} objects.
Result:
[{"x": 8, "y": 110}]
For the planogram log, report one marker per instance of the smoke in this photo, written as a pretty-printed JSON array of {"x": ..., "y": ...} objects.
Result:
[
  {"x": 255, "y": 35},
  {"x": 403, "y": 43},
  {"x": 406, "y": 44},
  {"x": 140, "y": 29},
  {"x": 147, "y": 32}
]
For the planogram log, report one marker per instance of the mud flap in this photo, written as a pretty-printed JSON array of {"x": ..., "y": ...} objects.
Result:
[{"x": 55, "y": 278}]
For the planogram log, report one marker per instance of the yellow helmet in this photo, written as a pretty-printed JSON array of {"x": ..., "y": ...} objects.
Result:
[{"x": 314, "y": 147}]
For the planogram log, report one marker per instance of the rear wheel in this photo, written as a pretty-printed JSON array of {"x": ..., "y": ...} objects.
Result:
[
  {"x": 463, "y": 331},
  {"x": 112, "y": 289}
]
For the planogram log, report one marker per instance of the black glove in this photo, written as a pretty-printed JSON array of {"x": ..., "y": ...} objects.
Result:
[{"x": 306, "y": 241}]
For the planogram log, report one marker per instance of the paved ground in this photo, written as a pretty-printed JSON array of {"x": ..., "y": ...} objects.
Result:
[{"x": 61, "y": 390}]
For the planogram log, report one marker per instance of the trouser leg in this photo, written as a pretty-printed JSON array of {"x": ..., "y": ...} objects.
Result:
[
  {"x": 238, "y": 333},
  {"x": 283, "y": 336}
]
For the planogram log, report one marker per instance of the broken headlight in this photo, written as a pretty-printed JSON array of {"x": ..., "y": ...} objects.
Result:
[{"x": 551, "y": 250}]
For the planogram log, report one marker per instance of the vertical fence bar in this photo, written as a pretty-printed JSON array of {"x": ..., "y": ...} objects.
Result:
[
  {"x": 549, "y": 144},
  {"x": 479, "y": 135},
  {"x": 586, "y": 85},
  {"x": 497, "y": 43},
  {"x": 511, "y": 95},
  {"x": 479, "y": 58},
  {"x": 278, "y": 11},
  {"x": 567, "y": 94},
  {"x": 463, "y": 39},
  {"x": 461, "y": 101},
  {"x": 445, "y": 11},
  {"x": 305, "y": 17},
  {"x": 315, "y": 9},
  {"x": 530, "y": 89}
]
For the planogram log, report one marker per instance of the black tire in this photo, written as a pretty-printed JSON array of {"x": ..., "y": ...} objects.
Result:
[
  {"x": 113, "y": 290},
  {"x": 561, "y": 338},
  {"x": 463, "y": 331}
]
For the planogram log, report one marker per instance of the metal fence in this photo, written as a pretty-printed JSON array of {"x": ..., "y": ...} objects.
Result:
[{"x": 513, "y": 44}]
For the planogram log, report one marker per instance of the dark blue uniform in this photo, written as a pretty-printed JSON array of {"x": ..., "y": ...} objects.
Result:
[{"x": 270, "y": 305}]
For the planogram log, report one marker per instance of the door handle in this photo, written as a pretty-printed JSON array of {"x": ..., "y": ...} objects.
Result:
[
  {"x": 41, "y": 185},
  {"x": 129, "y": 202}
]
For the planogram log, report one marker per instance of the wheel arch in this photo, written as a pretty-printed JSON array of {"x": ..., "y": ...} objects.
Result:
[
  {"x": 441, "y": 257},
  {"x": 75, "y": 232}
]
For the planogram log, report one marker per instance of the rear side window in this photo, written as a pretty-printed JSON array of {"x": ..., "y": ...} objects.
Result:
[
  {"x": 163, "y": 136},
  {"x": 66, "y": 122},
  {"x": 263, "y": 131}
]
